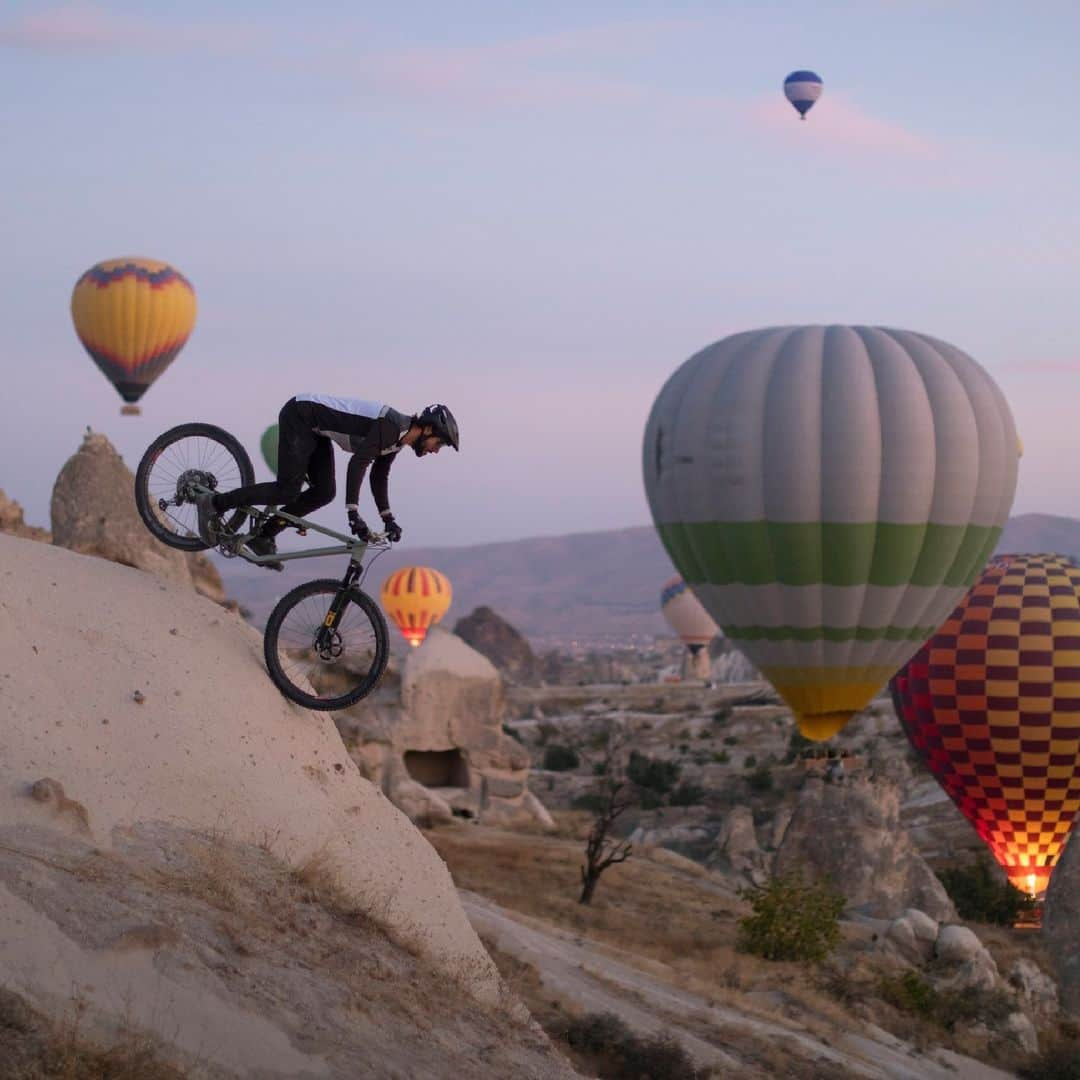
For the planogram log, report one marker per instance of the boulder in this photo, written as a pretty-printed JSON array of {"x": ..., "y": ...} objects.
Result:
[
  {"x": 974, "y": 968},
  {"x": 850, "y": 834},
  {"x": 492, "y": 636},
  {"x": 1036, "y": 989},
  {"x": 914, "y": 934},
  {"x": 93, "y": 512},
  {"x": 1061, "y": 924},
  {"x": 436, "y": 745}
]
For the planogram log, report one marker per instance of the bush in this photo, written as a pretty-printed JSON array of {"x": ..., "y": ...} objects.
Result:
[
  {"x": 981, "y": 897},
  {"x": 750, "y": 762},
  {"x": 651, "y": 773},
  {"x": 625, "y": 1056},
  {"x": 760, "y": 780},
  {"x": 909, "y": 993},
  {"x": 722, "y": 757},
  {"x": 560, "y": 758},
  {"x": 687, "y": 794},
  {"x": 792, "y": 919},
  {"x": 512, "y": 732},
  {"x": 722, "y": 715},
  {"x": 730, "y": 740}
]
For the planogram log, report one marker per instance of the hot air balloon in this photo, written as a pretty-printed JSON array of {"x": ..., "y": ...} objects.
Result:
[
  {"x": 802, "y": 89},
  {"x": 694, "y": 625},
  {"x": 133, "y": 316},
  {"x": 268, "y": 445},
  {"x": 829, "y": 493},
  {"x": 416, "y": 597},
  {"x": 992, "y": 704}
]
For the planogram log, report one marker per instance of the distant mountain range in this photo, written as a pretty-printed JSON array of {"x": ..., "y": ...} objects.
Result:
[{"x": 595, "y": 588}]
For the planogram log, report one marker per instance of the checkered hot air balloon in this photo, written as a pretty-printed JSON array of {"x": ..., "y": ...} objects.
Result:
[
  {"x": 133, "y": 316},
  {"x": 416, "y": 597},
  {"x": 830, "y": 493},
  {"x": 992, "y": 705}
]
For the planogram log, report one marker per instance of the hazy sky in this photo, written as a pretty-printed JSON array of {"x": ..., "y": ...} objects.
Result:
[{"x": 534, "y": 212}]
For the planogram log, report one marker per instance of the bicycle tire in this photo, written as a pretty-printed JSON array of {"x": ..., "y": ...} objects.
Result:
[
  {"x": 287, "y": 683},
  {"x": 147, "y": 500}
]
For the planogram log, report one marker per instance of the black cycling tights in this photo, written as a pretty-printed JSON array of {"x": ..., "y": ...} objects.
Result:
[{"x": 302, "y": 454}]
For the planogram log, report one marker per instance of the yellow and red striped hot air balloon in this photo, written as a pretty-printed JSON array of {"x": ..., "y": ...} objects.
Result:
[
  {"x": 992, "y": 704},
  {"x": 416, "y": 597},
  {"x": 133, "y": 316}
]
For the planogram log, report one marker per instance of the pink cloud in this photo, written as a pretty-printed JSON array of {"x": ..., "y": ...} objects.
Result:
[
  {"x": 86, "y": 27},
  {"x": 838, "y": 122}
]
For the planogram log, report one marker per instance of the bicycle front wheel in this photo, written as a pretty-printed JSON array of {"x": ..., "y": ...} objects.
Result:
[
  {"x": 317, "y": 666},
  {"x": 174, "y": 466}
]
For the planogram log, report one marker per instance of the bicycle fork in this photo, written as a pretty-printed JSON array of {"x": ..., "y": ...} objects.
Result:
[{"x": 327, "y": 639}]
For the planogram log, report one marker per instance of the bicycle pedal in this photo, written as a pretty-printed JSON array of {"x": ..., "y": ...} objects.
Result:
[{"x": 301, "y": 532}]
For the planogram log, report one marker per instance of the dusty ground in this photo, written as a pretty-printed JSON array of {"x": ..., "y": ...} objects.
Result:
[
  {"x": 263, "y": 971},
  {"x": 658, "y": 947}
]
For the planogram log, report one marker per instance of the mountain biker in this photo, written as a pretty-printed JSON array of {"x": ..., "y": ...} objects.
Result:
[{"x": 308, "y": 425}]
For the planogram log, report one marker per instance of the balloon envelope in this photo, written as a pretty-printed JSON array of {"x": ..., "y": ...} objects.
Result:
[
  {"x": 992, "y": 705},
  {"x": 268, "y": 444},
  {"x": 416, "y": 597},
  {"x": 829, "y": 493},
  {"x": 133, "y": 316},
  {"x": 802, "y": 89},
  {"x": 685, "y": 615}
]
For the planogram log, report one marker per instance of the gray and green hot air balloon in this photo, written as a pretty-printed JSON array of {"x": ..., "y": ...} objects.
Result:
[{"x": 830, "y": 492}]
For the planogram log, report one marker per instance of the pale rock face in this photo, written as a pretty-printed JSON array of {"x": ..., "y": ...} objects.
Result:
[
  {"x": 13, "y": 522},
  {"x": 1037, "y": 989},
  {"x": 925, "y": 928},
  {"x": 850, "y": 833},
  {"x": 93, "y": 512},
  {"x": 737, "y": 847},
  {"x": 1061, "y": 924},
  {"x": 914, "y": 934},
  {"x": 1022, "y": 1031},
  {"x": 443, "y": 736},
  {"x": 129, "y": 700},
  {"x": 957, "y": 944},
  {"x": 975, "y": 968}
]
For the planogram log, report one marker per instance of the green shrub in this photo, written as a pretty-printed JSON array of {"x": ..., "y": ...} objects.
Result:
[
  {"x": 760, "y": 780},
  {"x": 650, "y": 800},
  {"x": 730, "y": 740},
  {"x": 750, "y": 761},
  {"x": 722, "y": 715},
  {"x": 560, "y": 758},
  {"x": 687, "y": 794},
  {"x": 721, "y": 757},
  {"x": 792, "y": 919},
  {"x": 621, "y": 1055},
  {"x": 981, "y": 897},
  {"x": 910, "y": 993},
  {"x": 652, "y": 774}
]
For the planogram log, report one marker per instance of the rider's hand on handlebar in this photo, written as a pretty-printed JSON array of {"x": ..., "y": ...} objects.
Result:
[
  {"x": 357, "y": 526},
  {"x": 393, "y": 529}
]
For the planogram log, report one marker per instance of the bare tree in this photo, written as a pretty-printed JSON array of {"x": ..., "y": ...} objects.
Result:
[{"x": 615, "y": 797}]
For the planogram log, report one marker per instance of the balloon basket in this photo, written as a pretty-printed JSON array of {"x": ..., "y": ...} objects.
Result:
[
  {"x": 1031, "y": 919},
  {"x": 131, "y": 410}
]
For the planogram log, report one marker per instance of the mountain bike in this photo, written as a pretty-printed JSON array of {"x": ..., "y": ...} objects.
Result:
[{"x": 326, "y": 642}]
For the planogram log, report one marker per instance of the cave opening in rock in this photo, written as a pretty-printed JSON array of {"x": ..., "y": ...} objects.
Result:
[{"x": 437, "y": 768}]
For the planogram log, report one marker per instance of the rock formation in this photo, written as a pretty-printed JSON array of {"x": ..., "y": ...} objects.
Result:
[
  {"x": 1061, "y": 923},
  {"x": 93, "y": 512},
  {"x": 850, "y": 833},
  {"x": 493, "y": 637},
  {"x": 436, "y": 747},
  {"x": 130, "y": 702},
  {"x": 12, "y": 522}
]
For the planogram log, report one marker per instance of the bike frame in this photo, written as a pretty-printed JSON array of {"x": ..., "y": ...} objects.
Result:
[{"x": 349, "y": 545}]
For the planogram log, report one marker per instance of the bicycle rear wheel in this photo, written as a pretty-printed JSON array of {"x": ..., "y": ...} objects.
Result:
[
  {"x": 174, "y": 464},
  {"x": 341, "y": 665}
]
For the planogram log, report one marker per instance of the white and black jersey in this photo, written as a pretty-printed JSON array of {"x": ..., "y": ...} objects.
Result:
[{"x": 369, "y": 430}]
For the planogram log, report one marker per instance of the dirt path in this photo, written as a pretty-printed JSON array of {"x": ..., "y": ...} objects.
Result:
[{"x": 588, "y": 978}]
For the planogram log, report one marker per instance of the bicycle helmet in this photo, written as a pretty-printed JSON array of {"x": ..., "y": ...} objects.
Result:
[{"x": 442, "y": 423}]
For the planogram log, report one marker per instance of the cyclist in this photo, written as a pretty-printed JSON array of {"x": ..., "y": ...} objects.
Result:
[{"x": 308, "y": 425}]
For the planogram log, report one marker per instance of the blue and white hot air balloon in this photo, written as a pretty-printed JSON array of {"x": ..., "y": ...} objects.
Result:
[{"x": 802, "y": 89}]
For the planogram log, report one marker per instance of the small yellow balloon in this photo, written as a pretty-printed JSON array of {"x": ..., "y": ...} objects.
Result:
[{"x": 416, "y": 597}]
